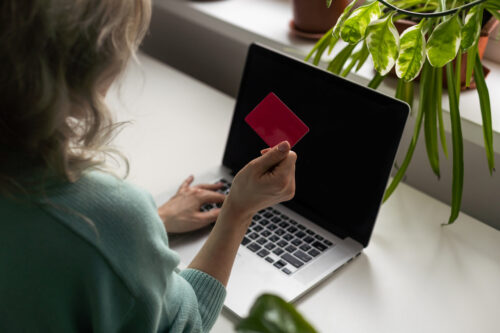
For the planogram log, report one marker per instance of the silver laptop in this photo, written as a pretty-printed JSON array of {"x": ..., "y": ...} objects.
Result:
[{"x": 342, "y": 169}]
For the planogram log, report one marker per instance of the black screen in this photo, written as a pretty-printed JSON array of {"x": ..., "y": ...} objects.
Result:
[{"x": 345, "y": 160}]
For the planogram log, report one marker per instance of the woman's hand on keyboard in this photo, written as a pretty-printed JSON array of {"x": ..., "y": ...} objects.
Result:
[
  {"x": 264, "y": 181},
  {"x": 182, "y": 212}
]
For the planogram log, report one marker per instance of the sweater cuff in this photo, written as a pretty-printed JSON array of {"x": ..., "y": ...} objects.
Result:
[{"x": 210, "y": 293}]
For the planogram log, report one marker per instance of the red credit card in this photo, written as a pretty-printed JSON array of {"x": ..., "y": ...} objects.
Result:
[{"x": 274, "y": 122}]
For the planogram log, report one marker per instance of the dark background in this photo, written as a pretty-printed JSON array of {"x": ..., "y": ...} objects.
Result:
[{"x": 345, "y": 160}]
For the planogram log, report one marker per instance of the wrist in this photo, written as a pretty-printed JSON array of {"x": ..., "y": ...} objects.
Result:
[{"x": 236, "y": 215}]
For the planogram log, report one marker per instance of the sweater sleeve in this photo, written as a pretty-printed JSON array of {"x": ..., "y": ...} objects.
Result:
[
  {"x": 210, "y": 294},
  {"x": 129, "y": 234}
]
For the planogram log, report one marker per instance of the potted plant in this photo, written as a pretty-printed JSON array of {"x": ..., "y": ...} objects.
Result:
[
  {"x": 311, "y": 18},
  {"x": 430, "y": 49},
  {"x": 271, "y": 314}
]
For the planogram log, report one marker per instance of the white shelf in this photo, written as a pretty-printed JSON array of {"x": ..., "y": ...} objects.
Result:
[{"x": 267, "y": 22}]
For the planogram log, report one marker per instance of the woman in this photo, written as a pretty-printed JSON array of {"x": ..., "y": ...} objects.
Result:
[{"x": 80, "y": 249}]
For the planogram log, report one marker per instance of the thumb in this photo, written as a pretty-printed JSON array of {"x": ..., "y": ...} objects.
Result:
[{"x": 274, "y": 156}]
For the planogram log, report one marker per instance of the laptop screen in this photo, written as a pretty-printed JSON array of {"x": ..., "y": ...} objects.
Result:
[{"x": 345, "y": 160}]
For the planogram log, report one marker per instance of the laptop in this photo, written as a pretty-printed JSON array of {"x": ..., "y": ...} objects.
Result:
[{"x": 343, "y": 166}]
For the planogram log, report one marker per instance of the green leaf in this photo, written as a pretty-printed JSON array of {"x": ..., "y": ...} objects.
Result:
[
  {"x": 271, "y": 314},
  {"x": 472, "y": 27},
  {"x": 364, "y": 53},
  {"x": 439, "y": 109},
  {"x": 340, "y": 23},
  {"x": 376, "y": 81},
  {"x": 495, "y": 13},
  {"x": 444, "y": 42},
  {"x": 411, "y": 53},
  {"x": 458, "y": 147},
  {"x": 335, "y": 31},
  {"x": 382, "y": 39},
  {"x": 319, "y": 47},
  {"x": 416, "y": 133},
  {"x": 430, "y": 124},
  {"x": 354, "y": 27},
  {"x": 340, "y": 59},
  {"x": 471, "y": 59},
  {"x": 328, "y": 3},
  {"x": 484, "y": 101},
  {"x": 342, "y": 18},
  {"x": 404, "y": 92}
]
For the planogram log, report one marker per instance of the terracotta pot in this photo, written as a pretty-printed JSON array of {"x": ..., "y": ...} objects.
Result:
[
  {"x": 402, "y": 25},
  {"x": 312, "y": 16}
]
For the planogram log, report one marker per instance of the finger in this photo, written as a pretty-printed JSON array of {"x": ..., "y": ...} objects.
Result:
[
  {"x": 210, "y": 196},
  {"x": 211, "y": 187},
  {"x": 208, "y": 217},
  {"x": 187, "y": 182},
  {"x": 264, "y": 151},
  {"x": 277, "y": 154},
  {"x": 287, "y": 166}
]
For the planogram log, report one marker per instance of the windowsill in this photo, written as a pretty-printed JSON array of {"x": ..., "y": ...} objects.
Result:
[{"x": 267, "y": 22}]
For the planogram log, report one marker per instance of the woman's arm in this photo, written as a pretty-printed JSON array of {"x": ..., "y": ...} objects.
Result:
[{"x": 263, "y": 182}]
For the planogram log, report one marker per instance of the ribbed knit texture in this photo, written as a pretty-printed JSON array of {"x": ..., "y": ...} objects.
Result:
[{"x": 94, "y": 256}]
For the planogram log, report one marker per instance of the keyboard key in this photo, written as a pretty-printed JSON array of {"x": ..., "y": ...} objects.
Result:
[
  {"x": 262, "y": 253},
  {"x": 252, "y": 223},
  {"x": 265, "y": 233},
  {"x": 310, "y": 232},
  {"x": 327, "y": 242},
  {"x": 264, "y": 222},
  {"x": 272, "y": 227},
  {"x": 314, "y": 252},
  {"x": 293, "y": 222},
  {"x": 257, "y": 228},
  {"x": 276, "y": 219},
  {"x": 292, "y": 229},
  {"x": 269, "y": 259},
  {"x": 268, "y": 215},
  {"x": 308, "y": 239},
  {"x": 290, "y": 248},
  {"x": 277, "y": 212},
  {"x": 256, "y": 217},
  {"x": 292, "y": 260},
  {"x": 245, "y": 241},
  {"x": 270, "y": 246},
  {"x": 254, "y": 236},
  {"x": 249, "y": 231},
  {"x": 300, "y": 234},
  {"x": 286, "y": 271},
  {"x": 296, "y": 242},
  {"x": 320, "y": 246},
  {"x": 254, "y": 247},
  {"x": 284, "y": 217},
  {"x": 288, "y": 237},
  {"x": 262, "y": 211},
  {"x": 283, "y": 224},
  {"x": 302, "y": 256},
  {"x": 274, "y": 238},
  {"x": 282, "y": 243},
  {"x": 278, "y": 251},
  {"x": 318, "y": 237},
  {"x": 262, "y": 241},
  {"x": 280, "y": 232},
  {"x": 280, "y": 264},
  {"x": 301, "y": 227},
  {"x": 305, "y": 247}
]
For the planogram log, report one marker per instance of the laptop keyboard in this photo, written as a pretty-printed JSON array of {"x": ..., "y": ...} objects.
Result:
[{"x": 279, "y": 240}]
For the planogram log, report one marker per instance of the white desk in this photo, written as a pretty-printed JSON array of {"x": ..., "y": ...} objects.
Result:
[{"x": 415, "y": 276}]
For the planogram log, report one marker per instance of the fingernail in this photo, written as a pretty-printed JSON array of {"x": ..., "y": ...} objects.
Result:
[{"x": 284, "y": 147}]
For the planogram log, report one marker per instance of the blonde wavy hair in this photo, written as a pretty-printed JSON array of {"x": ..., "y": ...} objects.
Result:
[{"x": 57, "y": 59}]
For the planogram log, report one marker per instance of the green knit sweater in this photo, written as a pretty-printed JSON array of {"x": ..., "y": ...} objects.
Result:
[{"x": 94, "y": 256}]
